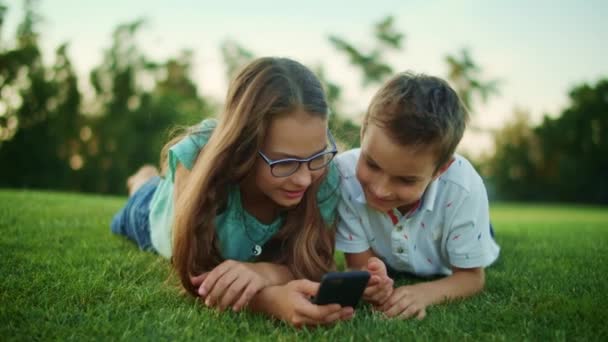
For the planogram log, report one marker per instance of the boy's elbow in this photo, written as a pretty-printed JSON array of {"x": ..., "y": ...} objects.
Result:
[{"x": 480, "y": 279}]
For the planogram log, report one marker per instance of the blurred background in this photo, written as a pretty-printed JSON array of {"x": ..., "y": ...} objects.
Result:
[{"x": 89, "y": 91}]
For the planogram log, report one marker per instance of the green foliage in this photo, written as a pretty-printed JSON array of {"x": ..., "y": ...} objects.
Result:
[
  {"x": 41, "y": 112},
  {"x": 465, "y": 75},
  {"x": 138, "y": 101},
  {"x": 94, "y": 145},
  {"x": 562, "y": 158},
  {"x": 66, "y": 277},
  {"x": 372, "y": 64},
  {"x": 235, "y": 57}
]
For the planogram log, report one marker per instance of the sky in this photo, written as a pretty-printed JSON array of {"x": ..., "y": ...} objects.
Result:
[{"x": 538, "y": 50}]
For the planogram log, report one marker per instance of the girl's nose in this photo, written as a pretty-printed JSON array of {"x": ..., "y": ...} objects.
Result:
[{"x": 302, "y": 177}]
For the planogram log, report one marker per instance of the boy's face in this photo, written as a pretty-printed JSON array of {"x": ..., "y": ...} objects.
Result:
[{"x": 392, "y": 175}]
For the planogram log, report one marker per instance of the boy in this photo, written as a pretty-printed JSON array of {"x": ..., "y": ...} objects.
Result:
[{"x": 408, "y": 200}]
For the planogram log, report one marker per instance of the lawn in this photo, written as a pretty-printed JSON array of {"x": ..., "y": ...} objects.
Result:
[{"x": 65, "y": 277}]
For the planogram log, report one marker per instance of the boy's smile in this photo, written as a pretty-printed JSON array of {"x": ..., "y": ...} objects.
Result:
[{"x": 392, "y": 175}]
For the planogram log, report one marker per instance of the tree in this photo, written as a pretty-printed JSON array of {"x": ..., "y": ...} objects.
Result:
[
  {"x": 138, "y": 101},
  {"x": 235, "y": 57},
  {"x": 37, "y": 133},
  {"x": 465, "y": 75},
  {"x": 373, "y": 64},
  {"x": 562, "y": 158}
]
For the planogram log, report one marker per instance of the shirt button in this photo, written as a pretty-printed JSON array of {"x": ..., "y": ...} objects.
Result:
[
  {"x": 400, "y": 250},
  {"x": 399, "y": 228}
]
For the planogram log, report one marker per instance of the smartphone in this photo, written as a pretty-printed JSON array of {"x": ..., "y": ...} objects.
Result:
[{"x": 344, "y": 288}]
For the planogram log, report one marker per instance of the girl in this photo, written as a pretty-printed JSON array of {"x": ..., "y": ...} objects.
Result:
[{"x": 247, "y": 203}]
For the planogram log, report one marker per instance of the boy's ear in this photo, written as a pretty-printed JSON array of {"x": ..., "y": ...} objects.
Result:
[
  {"x": 362, "y": 132},
  {"x": 443, "y": 168}
]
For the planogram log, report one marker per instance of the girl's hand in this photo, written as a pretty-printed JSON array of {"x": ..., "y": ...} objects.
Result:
[
  {"x": 380, "y": 285},
  {"x": 291, "y": 303},
  {"x": 406, "y": 302},
  {"x": 230, "y": 284}
]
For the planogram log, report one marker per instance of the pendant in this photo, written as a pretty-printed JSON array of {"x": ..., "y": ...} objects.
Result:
[{"x": 256, "y": 250}]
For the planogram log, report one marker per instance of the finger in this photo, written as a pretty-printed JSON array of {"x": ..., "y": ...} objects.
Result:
[
  {"x": 300, "y": 321},
  {"x": 233, "y": 292},
  {"x": 380, "y": 296},
  {"x": 398, "y": 307},
  {"x": 317, "y": 312},
  {"x": 409, "y": 312},
  {"x": 372, "y": 266},
  {"x": 374, "y": 280},
  {"x": 342, "y": 315},
  {"x": 196, "y": 281},
  {"x": 371, "y": 290},
  {"x": 421, "y": 314},
  {"x": 307, "y": 287},
  {"x": 221, "y": 285},
  {"x": 384, "y": 291},
  {"x": 212, "y": 277},
  {"x": 347, "y": 313},
  {"x": 332, "y": 317},
  {"x": 395, "y": 297},
  {"x": 320, "y": 319},
  {"x": 246, "y": 296},
  {"x": 376, "y": 266}
]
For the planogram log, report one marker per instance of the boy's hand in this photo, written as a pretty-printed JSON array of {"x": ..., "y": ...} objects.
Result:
[
  {"x": 406, "y": 302},
  {"x": 380, "y": 285},
  {"x": 230, "y": 284}
]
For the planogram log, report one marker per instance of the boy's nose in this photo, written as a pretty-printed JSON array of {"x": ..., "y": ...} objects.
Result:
[{"x": 380, "y": 189}]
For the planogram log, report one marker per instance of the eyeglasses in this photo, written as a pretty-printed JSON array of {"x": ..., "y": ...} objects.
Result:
[{"x": 287, "y": 167}]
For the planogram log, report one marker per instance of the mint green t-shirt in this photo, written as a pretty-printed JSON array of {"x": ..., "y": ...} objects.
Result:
[{"x": 237, "y": 230}]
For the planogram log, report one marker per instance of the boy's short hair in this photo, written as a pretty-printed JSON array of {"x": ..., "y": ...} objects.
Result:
[{"x": 420, "y": 110}]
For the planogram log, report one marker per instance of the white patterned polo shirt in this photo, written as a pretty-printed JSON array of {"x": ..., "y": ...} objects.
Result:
[{"x": 450, "y": 226}]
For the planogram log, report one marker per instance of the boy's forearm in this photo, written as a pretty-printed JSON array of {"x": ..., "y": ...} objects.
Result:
[
  {"x": 461, "y": 284},
  {"x": 276, "y": 274}
]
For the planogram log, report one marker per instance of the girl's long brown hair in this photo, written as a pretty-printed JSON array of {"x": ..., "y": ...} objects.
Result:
[{"x": 264, "y": 90}]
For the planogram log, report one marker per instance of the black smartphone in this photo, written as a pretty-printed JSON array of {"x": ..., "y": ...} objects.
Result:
[{"x": 344, "y": 288}]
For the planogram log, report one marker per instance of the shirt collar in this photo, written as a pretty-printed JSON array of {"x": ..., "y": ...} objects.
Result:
[{"x": 428, "y": 198}]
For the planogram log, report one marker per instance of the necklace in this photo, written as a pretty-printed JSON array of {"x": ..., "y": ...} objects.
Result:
[{"x": 256, "y": 250}]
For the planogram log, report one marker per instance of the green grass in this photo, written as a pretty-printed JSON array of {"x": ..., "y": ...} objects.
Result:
[{"x": 65, "y": 277}]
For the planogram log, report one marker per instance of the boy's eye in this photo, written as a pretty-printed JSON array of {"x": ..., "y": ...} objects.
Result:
[
  {"x": 372, "y": 165},
  {"x": 406, "y": 181}
]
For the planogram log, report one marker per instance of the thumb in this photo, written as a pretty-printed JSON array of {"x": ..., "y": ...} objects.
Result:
[
  {"x": 307, "y": 287},
  {"x": 376, "y": 266}
]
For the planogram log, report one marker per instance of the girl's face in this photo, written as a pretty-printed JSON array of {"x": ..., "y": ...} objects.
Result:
[
  {"x": 392, "y": 175},
  {"x": 298, "y": 135}
]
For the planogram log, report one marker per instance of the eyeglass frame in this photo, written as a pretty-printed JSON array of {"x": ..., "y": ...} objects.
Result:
[{"x": 271, "y": 163}]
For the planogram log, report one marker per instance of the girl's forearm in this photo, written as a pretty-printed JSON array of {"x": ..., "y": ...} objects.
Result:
[
  {"x": 275, "y": 274},
  {"x": 264, "y": 301}
]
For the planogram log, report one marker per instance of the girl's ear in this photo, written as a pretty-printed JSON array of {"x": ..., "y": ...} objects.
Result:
[{"x": 443, "y": 168}]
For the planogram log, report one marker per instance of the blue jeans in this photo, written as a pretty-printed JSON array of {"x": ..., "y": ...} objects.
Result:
[{"x": 133, "y": 220}]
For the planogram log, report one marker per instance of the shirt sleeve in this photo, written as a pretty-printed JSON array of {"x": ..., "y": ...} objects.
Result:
[
  {"x": 187, "y": 149},
  {"x": 469, "y": 242},
  {"x": 350, "y": 237}
]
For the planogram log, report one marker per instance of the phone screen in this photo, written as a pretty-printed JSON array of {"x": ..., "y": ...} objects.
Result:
[{"x": 344, "y": 288}]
